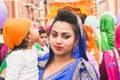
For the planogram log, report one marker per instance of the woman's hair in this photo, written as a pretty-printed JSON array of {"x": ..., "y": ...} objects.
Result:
[{"x": 68, "y": 16}]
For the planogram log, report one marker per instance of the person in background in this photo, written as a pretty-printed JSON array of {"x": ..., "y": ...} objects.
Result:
[
  {"x": 1, "y": 44},
  {"x": 42, "y": 43},
  {"x": 107, "y": 32},
  {"x": 110, "y": 67},
  {"x": 83, "y": 17},
  {"x": 22, "y": 62},
  {"x": 62, "y": 63},
  {"x": 92, "y": 50},
  {"x": 3, "y": 53}
]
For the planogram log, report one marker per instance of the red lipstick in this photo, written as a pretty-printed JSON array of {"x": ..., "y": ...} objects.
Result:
[{"x": 58, "y": 48}]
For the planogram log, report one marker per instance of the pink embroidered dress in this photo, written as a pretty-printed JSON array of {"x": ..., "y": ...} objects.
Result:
[{"x": 109, "y": 69}]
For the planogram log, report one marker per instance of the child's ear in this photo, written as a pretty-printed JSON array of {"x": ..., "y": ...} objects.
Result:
[{"x": 27, "y": 39}]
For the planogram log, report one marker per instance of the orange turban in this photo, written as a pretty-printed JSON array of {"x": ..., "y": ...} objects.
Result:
[{"x": 15, "y": 30}]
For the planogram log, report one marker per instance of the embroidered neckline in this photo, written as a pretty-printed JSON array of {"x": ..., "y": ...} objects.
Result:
[{"x": 52, "y": 76}]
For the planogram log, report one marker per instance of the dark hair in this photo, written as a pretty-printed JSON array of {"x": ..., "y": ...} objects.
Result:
[
  {"x": 83, "y": 17},
  {"x": 68, "y": 16},
  {"x": 42, "y": 31}
]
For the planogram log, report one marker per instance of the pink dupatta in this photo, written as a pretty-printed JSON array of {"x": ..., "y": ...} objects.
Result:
[{"x": 111, "y": 66}]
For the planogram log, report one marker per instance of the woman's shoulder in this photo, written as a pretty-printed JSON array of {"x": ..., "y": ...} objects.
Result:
[
  {"x": 85, "y": 69},
  {"x": 84, "y": 64},
  {"x": 108, "y": 54}
]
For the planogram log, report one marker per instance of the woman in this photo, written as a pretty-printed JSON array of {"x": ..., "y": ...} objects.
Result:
[
  {"x": 110, "y": 67},
  {"x": 63, "y": 64},
  {"x": 107, "y": 32},
  {"x": 92, "y": 50}
]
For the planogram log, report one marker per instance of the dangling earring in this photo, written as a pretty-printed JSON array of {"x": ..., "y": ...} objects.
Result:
[{"x": 74, "y": 48}]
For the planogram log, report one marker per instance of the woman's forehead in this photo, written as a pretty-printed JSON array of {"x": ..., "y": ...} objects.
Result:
[{"x": 62, "y": 25}]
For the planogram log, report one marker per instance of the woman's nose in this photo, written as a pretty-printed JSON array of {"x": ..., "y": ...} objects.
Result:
[{"x": 58, "y": 39}]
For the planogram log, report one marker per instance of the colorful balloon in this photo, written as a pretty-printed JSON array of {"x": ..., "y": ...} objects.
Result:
[{"x": 3, "y": 13}]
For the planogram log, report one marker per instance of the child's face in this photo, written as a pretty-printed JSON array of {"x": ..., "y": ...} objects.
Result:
[
  {"x": 43, "y": 39},
  {"x": 34, "y": 34}
]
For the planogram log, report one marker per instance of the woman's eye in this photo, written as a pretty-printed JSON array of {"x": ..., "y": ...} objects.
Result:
[
  {"x": 54, "y": 35},
  {"x": 66, "y": 37}
]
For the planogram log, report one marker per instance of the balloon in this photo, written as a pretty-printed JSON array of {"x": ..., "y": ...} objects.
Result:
[
  {"x": 3, "y": 13},
  {"x": 92, "y": 20}
]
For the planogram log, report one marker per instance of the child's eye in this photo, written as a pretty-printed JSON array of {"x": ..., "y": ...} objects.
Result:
[
  {"x": 41, "y": 37},
  {"x": 34, "y": 28}
]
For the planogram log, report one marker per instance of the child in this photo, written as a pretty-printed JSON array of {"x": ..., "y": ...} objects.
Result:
[
  {"x": 19, "y": 35},
  {"x": 42, "y": 44}
]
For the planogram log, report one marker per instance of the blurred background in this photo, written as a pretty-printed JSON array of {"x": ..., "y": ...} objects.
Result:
[{"x": 41, "y": 12}]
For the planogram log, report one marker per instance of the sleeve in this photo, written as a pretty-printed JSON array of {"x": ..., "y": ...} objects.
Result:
[
  {"x": 15, "y": 64},
  {"x": 3, "y": 66}
]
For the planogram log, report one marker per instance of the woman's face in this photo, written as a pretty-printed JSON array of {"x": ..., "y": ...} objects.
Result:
[{"x": 62, "y": 38}]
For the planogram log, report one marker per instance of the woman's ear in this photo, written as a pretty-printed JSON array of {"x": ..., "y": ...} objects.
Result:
[{"x": 76, "y": 41}]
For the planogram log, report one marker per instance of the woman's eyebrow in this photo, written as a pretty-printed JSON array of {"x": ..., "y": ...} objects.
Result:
[
  {"x": 65, "y": 33},
  {"x": 54, "y": 31},
  {"x": 62, "y": 32}
]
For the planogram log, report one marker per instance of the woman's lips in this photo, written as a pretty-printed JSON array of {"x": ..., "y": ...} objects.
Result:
[{"x": 58, "y": 48}]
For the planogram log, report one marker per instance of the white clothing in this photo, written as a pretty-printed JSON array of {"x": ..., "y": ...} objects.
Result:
[
  {"x": 22, "y": 65},
  {"x": 45, "y": 49}
]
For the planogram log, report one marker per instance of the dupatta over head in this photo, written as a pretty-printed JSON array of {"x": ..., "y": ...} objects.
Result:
[{"x": 67, "y": 73}]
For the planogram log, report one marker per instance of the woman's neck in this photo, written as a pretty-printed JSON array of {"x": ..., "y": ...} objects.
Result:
[{"x": 63, "y": 59}]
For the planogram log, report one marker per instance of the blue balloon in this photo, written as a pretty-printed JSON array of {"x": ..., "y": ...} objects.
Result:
[{"x": 3, "y": 13}]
